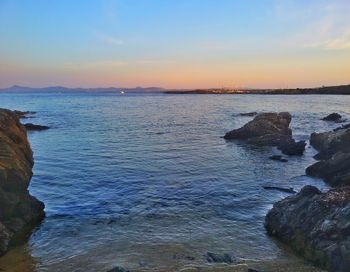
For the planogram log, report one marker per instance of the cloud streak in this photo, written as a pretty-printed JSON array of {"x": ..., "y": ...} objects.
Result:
[{"x": 109, "y": 39}]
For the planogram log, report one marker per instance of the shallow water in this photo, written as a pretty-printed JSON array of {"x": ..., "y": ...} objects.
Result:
[{"x": 146, "y": 182}]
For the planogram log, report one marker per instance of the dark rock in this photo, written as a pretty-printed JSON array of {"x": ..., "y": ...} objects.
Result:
[
  {"x": 118, "y": 269},
  {"x": 19, "y": 211},
  {"x": 316, "y": 225},
  {"x": 333, "y": 117},
  {"x": 278, "y": 158},
  {"x": 32, "y": 127},
  {"x": 263, "y": 124},
  {"x": 275, "y": 157},
  {"x": 284, "y": 190},
  {"x": 329, "y": 143},
  {"x": 335, "y": 170},
  {"x": 292, "y": 148},
  {"x": 249, "y": 114},
  {"x": 218, "y": 258},
  {"x": 334, "y": 153},
  {"x": 269, "y": 129}
]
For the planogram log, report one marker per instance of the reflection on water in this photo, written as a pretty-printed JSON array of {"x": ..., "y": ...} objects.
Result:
[{"x": 146, "y": 182}]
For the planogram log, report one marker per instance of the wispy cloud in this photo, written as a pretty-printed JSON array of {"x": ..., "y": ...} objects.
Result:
[
  {"x": 219, "y": 45},
  {"x": 109, "y": 39},
  {"x": 92, "y": 65},
  {"x": 325, "y": 23},
  {"x": 341, "y": 43}
]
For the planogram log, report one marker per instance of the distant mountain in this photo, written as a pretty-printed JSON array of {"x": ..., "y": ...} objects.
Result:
[{"x": 60, "y": 89}]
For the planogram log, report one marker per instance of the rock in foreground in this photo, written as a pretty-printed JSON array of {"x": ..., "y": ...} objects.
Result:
[
  {"x": 269, "y": 129},
  {"x": 316, "y": 225},
  {"x": 19, "y": 211}
]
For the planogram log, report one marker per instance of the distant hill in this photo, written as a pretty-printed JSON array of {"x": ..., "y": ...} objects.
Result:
[
  {"x": 60, "y": 89},
  {"x": 342, "y": 89}
]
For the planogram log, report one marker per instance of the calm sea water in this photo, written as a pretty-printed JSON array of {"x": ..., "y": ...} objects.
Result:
[{"x": 146, "y": 182}]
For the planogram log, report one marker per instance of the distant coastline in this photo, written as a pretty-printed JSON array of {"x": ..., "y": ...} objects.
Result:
[
  {"x": 324, "y": 90},
  {"x": 341, "y": 89}
]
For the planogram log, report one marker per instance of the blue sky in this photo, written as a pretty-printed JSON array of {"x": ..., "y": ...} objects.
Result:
[{"x": 175, "y": 43}]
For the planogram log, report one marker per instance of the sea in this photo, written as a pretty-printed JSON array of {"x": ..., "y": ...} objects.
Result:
[{"x": 146, "y": 182}]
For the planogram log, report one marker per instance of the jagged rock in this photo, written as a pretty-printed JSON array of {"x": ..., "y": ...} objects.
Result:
[
  {"x": 316, "y": 225},
  {"x": 333, "y": 117},
  {"x": 19, "y": 211},
  {"x": 263, "y": 124},
  {"x": 32, "y": 127}
]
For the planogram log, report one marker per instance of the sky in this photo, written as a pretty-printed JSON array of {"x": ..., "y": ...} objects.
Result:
[{"x": 175, "y": 43}]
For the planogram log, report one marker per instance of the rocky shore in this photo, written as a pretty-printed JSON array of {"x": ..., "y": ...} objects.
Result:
[
  {"x": 19, "y": 211},
  {"x": 315, "y": 224}
]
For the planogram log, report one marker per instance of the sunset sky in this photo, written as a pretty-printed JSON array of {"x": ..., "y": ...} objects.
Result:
[{"x": 175, "y": 43}]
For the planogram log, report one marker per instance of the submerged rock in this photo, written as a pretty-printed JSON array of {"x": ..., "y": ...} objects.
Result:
[
  {"x": 284, "y": 190},
  {"x": 333, "y": 117},
  {"x": 118, "y": 269},
  {"x": 249, "y": 114},
  {"x": 23, "y": 114},
  {"x": 33, "y": 127},
  {"x": 316, "y": 225},
  {"x": 269, "y": 129},
  {"x": 278, "y": 158},
  {"x": 19, "y": 211},
  {"x": 220, "y": 258}
]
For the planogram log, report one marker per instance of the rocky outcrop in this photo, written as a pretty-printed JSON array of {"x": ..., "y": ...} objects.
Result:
[
  {"x": 334, "y": 153},
  {"x": 269, "y": 129},
  {"x": 316, "y": 225},
  {"x": 262, "y": 125},
  {"x": 333, "y": 117},
  {"x": 19, "y": 211}
]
